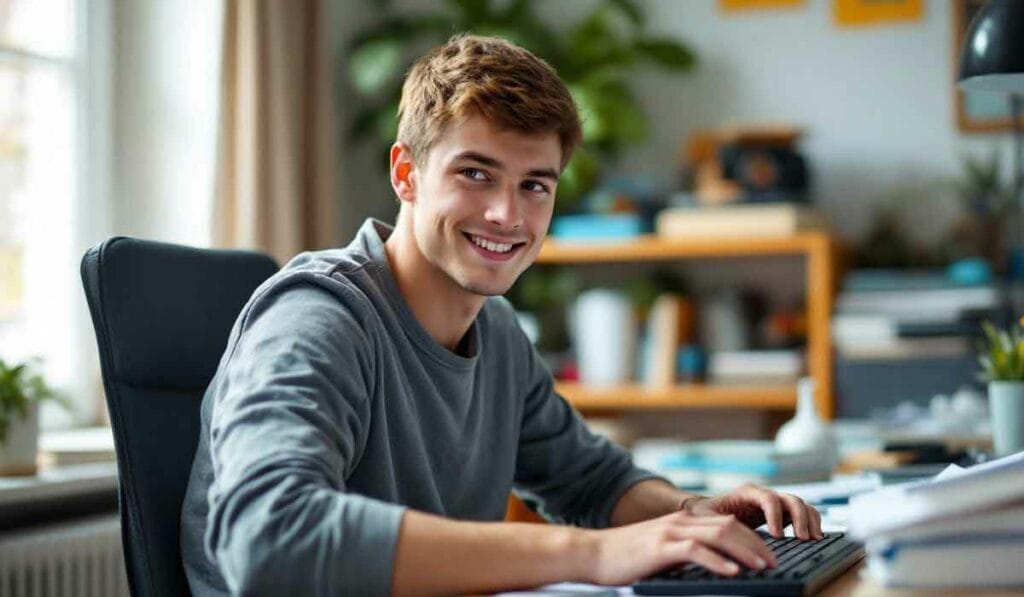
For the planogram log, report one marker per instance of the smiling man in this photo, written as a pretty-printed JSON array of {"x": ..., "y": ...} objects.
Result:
[{"x": 377, "y": 403}]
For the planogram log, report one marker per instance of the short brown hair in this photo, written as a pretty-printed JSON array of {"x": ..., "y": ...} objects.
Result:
[{"x": 490, "y": 77}]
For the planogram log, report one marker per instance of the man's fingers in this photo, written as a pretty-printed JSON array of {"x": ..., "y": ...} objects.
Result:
[
  {"x": 798, "y": 514},
  {"x": 693, "y": 551},
  {"x": 732, "y": 538},
  {"x": 771, "y": 505},
  {"x": 816, "y": 531}
]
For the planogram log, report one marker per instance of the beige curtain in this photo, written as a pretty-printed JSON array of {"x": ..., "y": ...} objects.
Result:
[{"x": 277, "y": 163}]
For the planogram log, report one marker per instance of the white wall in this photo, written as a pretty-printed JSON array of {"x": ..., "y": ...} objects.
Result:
[
  {"x": 166, "y": 86},
  {"x": 875, "y": 102}
]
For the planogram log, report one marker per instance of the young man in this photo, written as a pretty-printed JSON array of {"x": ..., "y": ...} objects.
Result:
[{"x": 377, "y": 403}]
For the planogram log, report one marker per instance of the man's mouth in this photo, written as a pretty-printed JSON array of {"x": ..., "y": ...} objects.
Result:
[{"x": 495, "y": 250}]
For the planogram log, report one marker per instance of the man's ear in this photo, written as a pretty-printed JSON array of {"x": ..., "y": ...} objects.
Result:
[{"x": 403, "y": 172}]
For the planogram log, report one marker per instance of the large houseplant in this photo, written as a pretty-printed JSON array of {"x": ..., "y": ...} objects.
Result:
[
  {"x": 1002, "y": 361},
  {"x": 22, "y": 389},
  {"x": 593, "y": 56}
]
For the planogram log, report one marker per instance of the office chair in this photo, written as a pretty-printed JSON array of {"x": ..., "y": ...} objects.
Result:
[{"x": 162, "y": 315}]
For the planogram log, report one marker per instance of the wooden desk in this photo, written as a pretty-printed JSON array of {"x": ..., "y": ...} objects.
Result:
[{"x": 854, "y": 583}]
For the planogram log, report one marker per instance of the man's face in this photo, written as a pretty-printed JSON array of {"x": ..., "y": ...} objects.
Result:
[{"x": 481, "y": 202}]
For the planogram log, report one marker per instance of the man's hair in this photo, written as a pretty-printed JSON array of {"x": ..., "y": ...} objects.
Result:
[{"x": 489, "y": 77}]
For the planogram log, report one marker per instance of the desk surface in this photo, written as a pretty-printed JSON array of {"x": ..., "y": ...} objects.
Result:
[{"x": 854, "y": 583}]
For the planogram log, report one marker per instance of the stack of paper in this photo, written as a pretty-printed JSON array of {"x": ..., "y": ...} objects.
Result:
[{"x": 963, "y": 528}]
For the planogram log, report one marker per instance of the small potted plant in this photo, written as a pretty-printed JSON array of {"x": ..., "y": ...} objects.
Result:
[
  {"x": 21, "y": 392},
  {"x": 1002, "y": 361}
]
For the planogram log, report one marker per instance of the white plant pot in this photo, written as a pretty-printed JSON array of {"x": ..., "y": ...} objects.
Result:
[
  {"x": 1006, "y": 404},
  {"x": 18, "y": 453}
]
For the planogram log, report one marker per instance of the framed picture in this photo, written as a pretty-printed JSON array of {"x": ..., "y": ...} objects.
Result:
[{"x": 975, "y": 112}]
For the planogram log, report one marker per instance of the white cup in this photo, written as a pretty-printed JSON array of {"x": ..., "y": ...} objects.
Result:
[{"x": 604, "y": 336}]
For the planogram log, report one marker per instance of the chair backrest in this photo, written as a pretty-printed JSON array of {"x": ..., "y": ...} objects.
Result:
[{"x": 162, "y": 315}]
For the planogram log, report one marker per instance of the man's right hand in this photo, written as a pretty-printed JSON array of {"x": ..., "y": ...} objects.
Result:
[{"x": 722, "y": 544}]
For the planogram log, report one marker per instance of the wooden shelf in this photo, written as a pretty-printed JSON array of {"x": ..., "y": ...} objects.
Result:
[
  {"x": 654, "y": 247},
  {"x": 771, "y": 395}
]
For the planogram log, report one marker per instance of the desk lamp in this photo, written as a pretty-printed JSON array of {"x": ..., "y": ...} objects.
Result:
[{"x": 992, "y": 60}]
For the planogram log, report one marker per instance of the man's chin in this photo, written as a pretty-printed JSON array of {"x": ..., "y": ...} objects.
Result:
[{"x": 486, "y": 289}]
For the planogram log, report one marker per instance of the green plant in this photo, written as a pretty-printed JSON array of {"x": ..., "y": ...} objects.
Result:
[
  {"x": 21, "y": 386},
  {"x": 980, "y": 186},
  {"x": 593, "y": 56},
  {"x": 1002, "y": 354}
]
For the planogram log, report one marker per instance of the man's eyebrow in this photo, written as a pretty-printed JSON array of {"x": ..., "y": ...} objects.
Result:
[{"x": 480, "y": 158}]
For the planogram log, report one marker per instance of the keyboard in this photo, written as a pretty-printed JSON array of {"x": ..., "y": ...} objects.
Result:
[{"x": 804, "y": 567}]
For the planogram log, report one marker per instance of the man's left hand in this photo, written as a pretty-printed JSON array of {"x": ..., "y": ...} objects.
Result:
[{"x": 754, "y": 505}]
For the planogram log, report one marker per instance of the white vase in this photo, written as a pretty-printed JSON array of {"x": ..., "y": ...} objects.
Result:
[
  {"x": 18, "y": 453},
  {"x": 604, "y": 335},
  {"x": 1006, "y": 404}
]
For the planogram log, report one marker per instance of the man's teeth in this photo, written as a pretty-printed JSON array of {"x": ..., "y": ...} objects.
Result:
[{"x": 495, "y": 247}]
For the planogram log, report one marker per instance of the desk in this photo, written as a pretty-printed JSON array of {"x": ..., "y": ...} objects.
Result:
[{"x": 854, "y": 583}]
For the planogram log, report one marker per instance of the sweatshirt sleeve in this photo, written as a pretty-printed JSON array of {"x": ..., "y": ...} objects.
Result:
[
  {"x": 289, "y": 419},
  {"x": 576, "y": 476}
]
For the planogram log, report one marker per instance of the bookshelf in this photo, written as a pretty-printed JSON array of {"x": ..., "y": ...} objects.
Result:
[
  {"x": 771, "y": 396},
  {"x": 818, "y": 251}
]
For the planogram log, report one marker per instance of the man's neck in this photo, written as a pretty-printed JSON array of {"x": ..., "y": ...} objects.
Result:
[{"x": 445, "y": 310}]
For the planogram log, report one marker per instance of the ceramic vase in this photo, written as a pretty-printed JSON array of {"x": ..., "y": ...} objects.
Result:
[{"x": 1006, "y": 405}]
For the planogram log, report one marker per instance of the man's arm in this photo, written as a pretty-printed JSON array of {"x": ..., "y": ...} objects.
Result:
[
  {"x": 648, "y": 499},
  {"x": 441, "y": 556}
]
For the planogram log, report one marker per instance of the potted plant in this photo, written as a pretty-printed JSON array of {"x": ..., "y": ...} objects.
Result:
[
  {"x": 594, "y": 56},
  {"x": 1002, "y": 361},
  {"x": 21, "y": 392}
]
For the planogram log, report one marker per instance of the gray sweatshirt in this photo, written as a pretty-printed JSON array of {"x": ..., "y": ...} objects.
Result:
[{"x": 333, "y": 410}]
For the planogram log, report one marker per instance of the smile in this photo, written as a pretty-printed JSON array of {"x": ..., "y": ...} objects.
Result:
[{"x": 492, "y": 249}]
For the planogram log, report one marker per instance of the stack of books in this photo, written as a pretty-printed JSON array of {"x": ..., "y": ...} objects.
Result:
[
  {"x": 722, "y": 465},
  {"x": 964, "y": 528},
  {"x": 889, "y": 314}
]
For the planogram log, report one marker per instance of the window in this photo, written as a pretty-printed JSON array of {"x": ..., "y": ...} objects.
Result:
[{"x": 43, "y": 74}]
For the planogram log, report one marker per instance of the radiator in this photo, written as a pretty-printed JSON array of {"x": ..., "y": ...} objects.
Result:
[{"x": 82, "y": 558}]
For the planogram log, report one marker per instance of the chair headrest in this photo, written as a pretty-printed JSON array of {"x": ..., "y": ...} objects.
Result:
[{"x": 171, "y": 307}]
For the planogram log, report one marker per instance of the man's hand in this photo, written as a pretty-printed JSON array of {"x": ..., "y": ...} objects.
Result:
[
  {"x": 623, "y": 555},
  {"x": 754, "y": 505}
]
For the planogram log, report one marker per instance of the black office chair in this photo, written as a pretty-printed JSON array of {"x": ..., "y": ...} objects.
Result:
[{"x": 162, "y": 315}]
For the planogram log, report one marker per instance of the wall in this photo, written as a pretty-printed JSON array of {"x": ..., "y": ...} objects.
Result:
[
  {"x": 876, "y": 102},
  {"x": 166, "y": 85}
]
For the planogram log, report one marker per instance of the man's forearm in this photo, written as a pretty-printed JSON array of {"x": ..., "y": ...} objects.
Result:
[
  {"x": 438, "y": 555},
  {"x": 647, "y": 499}
]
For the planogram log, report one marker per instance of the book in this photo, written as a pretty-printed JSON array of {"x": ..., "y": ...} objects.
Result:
[
  {"x": 760, "y": 364},
  {"x": 990, "y": 559},
  {"x": 903, "y": 348},
  {"x": 726, "y": 464},
  {"x": 773, "y": 220},
  {"x": 899, "y": 279},
  {"x": 597, "y": 227},
  {"x": 919, "y": 305},
  {"x": 665, "y": 328},
  {"x": 955, "y": 492}
]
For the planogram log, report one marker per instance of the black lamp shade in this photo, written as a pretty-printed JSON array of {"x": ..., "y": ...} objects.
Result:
[{"x": 992, "y": 58}]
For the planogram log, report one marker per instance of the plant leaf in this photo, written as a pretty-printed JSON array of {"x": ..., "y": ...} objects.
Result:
[
  {"x": 374, "y": 64},
  {"x": 666, "y": 52},
  {"x": 472, "y": 10},
  {"x": 630, "y": 9}
]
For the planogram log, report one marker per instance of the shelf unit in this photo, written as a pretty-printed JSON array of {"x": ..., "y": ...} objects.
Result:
[{"x": 818, "y": 251}]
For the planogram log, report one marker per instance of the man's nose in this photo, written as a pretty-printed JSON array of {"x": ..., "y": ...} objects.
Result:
[{"x": 503, "y": 210}]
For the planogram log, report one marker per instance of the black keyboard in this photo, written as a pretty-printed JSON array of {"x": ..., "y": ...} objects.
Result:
[{"x": 804, "y": 568}]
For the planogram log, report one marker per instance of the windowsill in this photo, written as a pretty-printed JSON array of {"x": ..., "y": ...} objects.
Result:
[{"x": 64, "y": 490}]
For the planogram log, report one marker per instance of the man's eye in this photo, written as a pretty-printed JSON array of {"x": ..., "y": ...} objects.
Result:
[
  {"x": 473, "y": 173},
  {"x": 535, "y": 186}
]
